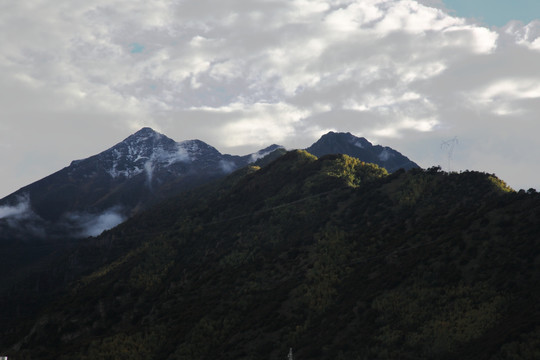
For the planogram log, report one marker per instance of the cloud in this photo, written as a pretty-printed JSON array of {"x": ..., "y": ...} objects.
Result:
[
  {"x": 21, "y": 220},
  {"x": 24, "y": 223},
  {"x": 528, "y": 35},
  {"x": 227, "y": 166},
  {"x": 20, "y": 210},
  {"x": 149, "y": 169},
  {"x": 241, "y": 75},
  {"x": 86, "y": 224},
  {"x": 254, "y": 124}
]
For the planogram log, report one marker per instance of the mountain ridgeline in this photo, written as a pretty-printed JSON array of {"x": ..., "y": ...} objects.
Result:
[
  {"x": 97, "y": 193},
  {"x": 346, "y": 143},
  {"x": 330, "y": 256},
  {"x": 94, "y": 194}
]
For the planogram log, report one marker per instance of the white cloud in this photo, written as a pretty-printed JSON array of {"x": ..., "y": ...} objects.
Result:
[
  {"x": 478, "y": 39},
  {"x": 254, "y": 124},
  {"x": 20, "y": 216},
  {"x": 525, "y": 35},
  {"x": 421, "y": 125},
  {"x": 20, "y": 210},
  {"x": 76, "y": 78},
  {"x": 85, "y": 224},
  {"x": 227, "y": 166},
  {"x": 502, "y": 97}
]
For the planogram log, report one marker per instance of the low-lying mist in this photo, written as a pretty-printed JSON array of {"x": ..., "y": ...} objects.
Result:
[
  {"x": 19, "y": 221},
  {"x": 86, "y": 224}
]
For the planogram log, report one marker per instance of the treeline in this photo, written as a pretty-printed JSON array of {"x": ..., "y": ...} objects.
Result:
[{"x": 332, "y": 257}]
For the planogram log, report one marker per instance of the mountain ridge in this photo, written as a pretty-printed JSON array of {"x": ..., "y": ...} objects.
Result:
[
  {"x": 330, "y": 256},
  {"x": 361, "y": 148},
  {"x": 144, "y": 168},
  {"x": 95, "y": 193}
]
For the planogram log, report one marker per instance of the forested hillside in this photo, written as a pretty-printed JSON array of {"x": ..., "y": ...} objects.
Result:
[{"x": 331, "y": 257}]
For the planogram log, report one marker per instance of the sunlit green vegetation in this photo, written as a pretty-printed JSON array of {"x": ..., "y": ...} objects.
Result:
[{"x": 332, "y": 257}]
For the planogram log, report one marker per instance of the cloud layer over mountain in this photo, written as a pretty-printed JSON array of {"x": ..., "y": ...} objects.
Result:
[{"x": 77, "y": 77}]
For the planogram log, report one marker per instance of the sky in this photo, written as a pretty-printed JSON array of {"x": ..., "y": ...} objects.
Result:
[
  {"x": 495, "y": 12},
  {"x": 444, "y": 83}
]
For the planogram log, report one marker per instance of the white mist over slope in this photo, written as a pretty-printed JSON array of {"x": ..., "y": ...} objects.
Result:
[
  {"x": 22, "y": 218},
  {"x": 20, "y": 210},
  {"x": 85, "y": 224}
]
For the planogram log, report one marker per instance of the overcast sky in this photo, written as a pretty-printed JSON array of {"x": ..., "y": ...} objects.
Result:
[{"x": 76, "y": 77}]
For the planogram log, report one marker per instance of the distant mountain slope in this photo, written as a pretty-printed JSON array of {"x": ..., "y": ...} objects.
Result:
[
  {"x": 97, "y": 193},
  {"x": 346, "y": 143},
  {"x": 330, "y": 257}
]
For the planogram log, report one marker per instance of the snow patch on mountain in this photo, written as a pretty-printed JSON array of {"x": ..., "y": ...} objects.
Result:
[
  {"x": 128, "y": 173},
  {"x": 197, "y": 149},
  {"x": 190, "y": 146},
  {"x": 135, "y": 159}
]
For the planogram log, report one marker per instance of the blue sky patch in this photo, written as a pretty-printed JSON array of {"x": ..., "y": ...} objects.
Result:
[
  {"x": 496, "y": 12},
  {"x": 136, "y": 48}
]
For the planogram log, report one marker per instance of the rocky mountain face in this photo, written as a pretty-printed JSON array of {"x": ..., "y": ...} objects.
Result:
[
  {"x": 348, "y": 144},
  {"x": 41, "y": 220},
  {"x": 96, "y": 193}
]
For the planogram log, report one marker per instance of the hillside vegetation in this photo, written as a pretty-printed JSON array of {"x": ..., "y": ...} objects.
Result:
[{"x": 331, "y": 257}]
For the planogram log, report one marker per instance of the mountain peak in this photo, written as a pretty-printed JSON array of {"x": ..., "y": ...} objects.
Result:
[
  {"x": 359, "y": 147},
  {"x": 264, "y": 152},
  {"x": 345, "y": 138},
  {"x": 145, "y": 133}
]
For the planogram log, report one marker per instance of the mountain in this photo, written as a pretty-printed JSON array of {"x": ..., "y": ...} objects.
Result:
[
  {"x": 96, "y": 193},
  {"x": 43, "y": 219},
  {"x": 346, "y": 143},
  {"x": 330, "y": 258}
]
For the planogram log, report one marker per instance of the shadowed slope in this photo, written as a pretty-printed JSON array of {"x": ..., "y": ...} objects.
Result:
[{"x": 330, "y": 256}]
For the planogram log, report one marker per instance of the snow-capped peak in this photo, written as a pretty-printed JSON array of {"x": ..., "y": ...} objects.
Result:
[
  {"x": 148, "y": 150},
  {"x": 131, "y": 156}
]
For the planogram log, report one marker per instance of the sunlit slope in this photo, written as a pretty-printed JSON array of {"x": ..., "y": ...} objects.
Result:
[{"x": 331, "y": 257}]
